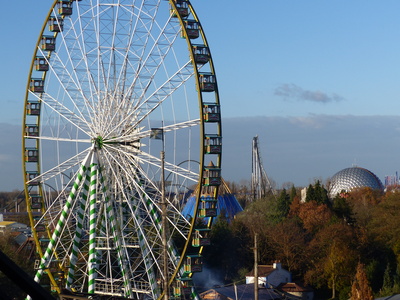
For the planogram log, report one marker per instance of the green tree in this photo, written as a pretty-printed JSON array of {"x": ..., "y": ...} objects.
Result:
[
  {"x": 321, "y": 194},
  {"x": 317, "y": 193},
  {"x": 215, "y": 256},
  {"x": 310, "y": 194},
  {"x": 387, "y": 285},
  {"x": 293, "y": 194},
  {"x": 343, "y": 209},
  {"x": 283, "y": 204}
]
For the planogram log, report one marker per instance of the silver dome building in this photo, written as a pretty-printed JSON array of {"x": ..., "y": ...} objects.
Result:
[{"x": 351, "y": 178}]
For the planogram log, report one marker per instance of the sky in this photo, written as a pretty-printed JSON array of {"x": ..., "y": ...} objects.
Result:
[{"x": 316, "y": 81}]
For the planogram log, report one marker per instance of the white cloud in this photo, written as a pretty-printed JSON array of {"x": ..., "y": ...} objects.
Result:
[{"x": 292, "y": 91}]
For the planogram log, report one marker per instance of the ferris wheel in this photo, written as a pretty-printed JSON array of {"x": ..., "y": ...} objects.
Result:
[{"x": 119, "y": 94}]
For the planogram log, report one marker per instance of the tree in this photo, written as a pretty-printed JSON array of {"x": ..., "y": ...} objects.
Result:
[
  {"x": 258, "y": 218},
  {"x": 314, "y": 216},
  {"x": 294, "y": 207},
  {"x": 283, "y": 204},
  {"x": 317, "y": 193},
  {"x": 343, "y": 210},
  {"x": 310, "y": 194},
  {"x": 383, "y": 220},
  {"x": 332, "y": 257},
  {"x": 288, "y": 241},
  {"x": 361, "y": 289},
  {"x": 321, "y": 194},
  {"x": 216, "y": 257},
  {"x": 387, "y": 285},
  {"x": 337, "y": 265},
  {"x": 292, "y": 194}
]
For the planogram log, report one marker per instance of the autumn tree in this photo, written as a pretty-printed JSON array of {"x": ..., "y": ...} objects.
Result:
[
  {"x": 383, "y": 221},
  {"x": 314, "y": 216},
  {"x": 332, "y": 256},
  {"x": 361, "y": 289},
  {"x": 288, "y": 241},
  {"x": 337, "y": 265},
  {"x": 294, "y": 207}
]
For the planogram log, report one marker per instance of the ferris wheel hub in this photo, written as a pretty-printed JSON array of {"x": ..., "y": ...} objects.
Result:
[{"x": 98, "y": 142}]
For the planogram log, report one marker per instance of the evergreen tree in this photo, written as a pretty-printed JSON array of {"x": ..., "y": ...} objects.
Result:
[
  {"x": 343, "y": 210},
  {"x": 310, "y": 194},
  {"x": 387, "y": 285},
  {"x": 321, "y": 194},
  {"x": 317, "y": 193},
  {"x": 283, "y": 204},
  {"x": 216, "y": 257},
  {"x": 293, "y": 193}
]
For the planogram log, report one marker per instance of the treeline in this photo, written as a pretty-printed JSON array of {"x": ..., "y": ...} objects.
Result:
[
  {"x": 347, "y": 246},
  {"x": 9, "y": 200},
  {"x": 323, "y": 243}
]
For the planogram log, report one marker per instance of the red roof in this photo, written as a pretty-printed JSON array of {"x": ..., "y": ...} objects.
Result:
[{"x": 291, "y": 287}]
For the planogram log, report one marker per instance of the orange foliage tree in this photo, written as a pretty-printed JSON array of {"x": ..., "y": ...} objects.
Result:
[
  {"x": 361, "y": 289},
  {"x": 314, "y": 216}
]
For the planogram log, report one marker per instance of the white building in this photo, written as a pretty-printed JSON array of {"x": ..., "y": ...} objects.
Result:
[{"x": 270, "y": 275}]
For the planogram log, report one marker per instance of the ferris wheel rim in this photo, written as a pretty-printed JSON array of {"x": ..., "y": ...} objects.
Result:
[{"x": 98, "y": 141}]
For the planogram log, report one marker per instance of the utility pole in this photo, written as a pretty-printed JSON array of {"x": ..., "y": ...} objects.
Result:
[
  {"x": 164, "y": 229},
  {"x": 158, "y": 134},
  {"x": 255, "y": 267}
]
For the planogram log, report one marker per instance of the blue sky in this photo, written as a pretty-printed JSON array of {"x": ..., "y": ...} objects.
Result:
[{"x": 294, "y": 64}]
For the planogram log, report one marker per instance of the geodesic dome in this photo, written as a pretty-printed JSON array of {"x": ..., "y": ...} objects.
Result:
[{"x": 351, "y": 178}]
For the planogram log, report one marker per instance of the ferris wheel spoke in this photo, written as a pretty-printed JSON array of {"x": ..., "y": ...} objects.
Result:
[
  {"x": 58, "y": 139},
  {"x": 128, "y": 167},
  {"x": 68, "y": 80},
  {"x": 61, "y": 222},
  {"x": 169, "y": 167},
  {"x": 84, "y": 85},
  {"x": 73, "y": 257},
  {"x": 150, "y": 205},
  {"x": 142, "y": 109},
  {"x": 164, "y": 91},
  {"x": 61, "y": 168},
  {"x": 66, "y": 113},
  {"x": 138, "y": 183},
  {"x": 156, "y": 52},
  {"x": 150, "y": 133}
]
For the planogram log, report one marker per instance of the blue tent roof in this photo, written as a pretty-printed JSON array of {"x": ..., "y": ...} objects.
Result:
[{"x": 226, "y": 203}]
